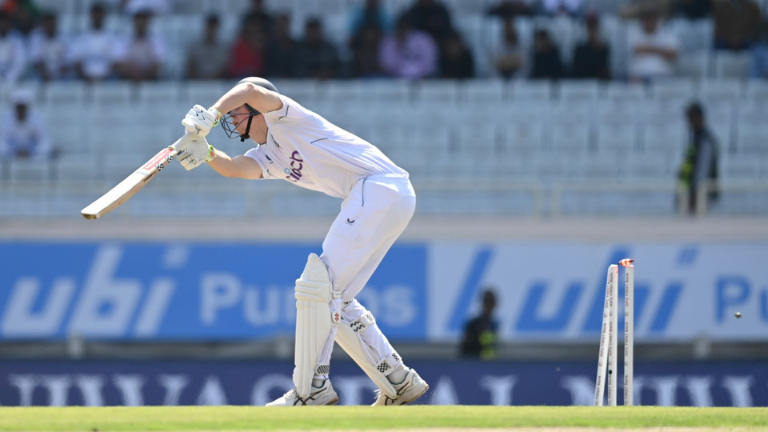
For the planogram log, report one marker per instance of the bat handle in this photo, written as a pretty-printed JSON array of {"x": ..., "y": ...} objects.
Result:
[{"x": 182, "y": 142}]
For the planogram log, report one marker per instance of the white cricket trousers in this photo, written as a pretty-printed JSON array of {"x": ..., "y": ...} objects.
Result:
[{"x": 372, "y": 217}]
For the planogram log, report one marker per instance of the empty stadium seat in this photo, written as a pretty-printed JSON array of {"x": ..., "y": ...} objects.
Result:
[
  {"x": 523, "y": 138},
  {"x": 519, "y": 90},
  {"x": 443, "y": 92},
  {"x": 752, "y": 138},
  {"x": 693, "y": 65},
  {"x": 579, "y": 90},
  {"x": 721, "y": 89},
  {"x": 78, "y": 167},
  {"x": 666, "y": 138},
  {"x": 30, "y": 171},
  {"x": 617, "y": 138},
  {"x": 731, "y": 65},
  {"x": 110, "y": 94},
  {"x": 482, "y": 92},
  {"x": 569, "y": 138},
  {"x": 153, "y": 94},
  {"x": 756, "y": 90}
]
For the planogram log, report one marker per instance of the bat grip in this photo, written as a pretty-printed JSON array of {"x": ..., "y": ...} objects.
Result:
[{"x": 182, "y": 142}]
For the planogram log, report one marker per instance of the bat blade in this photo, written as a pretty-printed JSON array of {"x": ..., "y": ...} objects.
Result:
[{"x": 127, "y": 188}]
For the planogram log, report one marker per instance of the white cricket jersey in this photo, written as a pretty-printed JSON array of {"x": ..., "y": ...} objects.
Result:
[{"x": 306, "y": 149}]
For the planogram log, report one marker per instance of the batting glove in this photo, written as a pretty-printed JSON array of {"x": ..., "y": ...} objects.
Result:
[
  {"x": 200, "y": 121},
  {"x": 195, "y": 153}
]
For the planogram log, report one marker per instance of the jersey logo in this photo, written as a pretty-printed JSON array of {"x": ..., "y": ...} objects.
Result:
[
  {"x": 269, "y": 159},
  {"x": 350, "y": 222},
  {"x": 297, "y": 164}
]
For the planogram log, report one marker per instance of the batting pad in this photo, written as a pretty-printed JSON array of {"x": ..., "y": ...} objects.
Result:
[
  {"x": 350, "y": 337},
  {"x": 313, "y": 322}
]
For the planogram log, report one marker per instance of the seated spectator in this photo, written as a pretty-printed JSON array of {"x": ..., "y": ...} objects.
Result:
[
  {"x": 259, "y": 13},
  {"x": 92, "y": 53},
  {"x": 456, "y": 60},
  {"x": 480, "y": 338},
  {"x": 281, "y": 55},
  {"x": 23, "y": 134},
  {"x": 737, "y": 24},
  {"x": 652, "y": 50},
  {"x": 370, "y": 14},
  {"x": 13, "y": 59},
  {"x": 561, "y": 7},
  {"x": 700, "y": 163},
  {"x": 365, "y": 53},
  {"x": 432, "y": 17},
  {"x": 408, "y": 53},
  {"x": 141, "y": 58},
  {"x": 509, "y": 57},
  {"x": 208, "y": 58},
  {"x": 248, "y": 56},
  {"x": 591, "y": 58},
  {"x": 23, "y": 13},
  {"x": 316, "y": 57},
  {"x": 760, "y": 54},
  {"x": 694, "y": 9},
  {"x": 48, "y": 50},
  {"x": 546, "y": 57}
]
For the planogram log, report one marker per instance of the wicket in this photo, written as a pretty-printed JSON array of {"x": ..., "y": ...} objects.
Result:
[{"x": 608, "y": 348}]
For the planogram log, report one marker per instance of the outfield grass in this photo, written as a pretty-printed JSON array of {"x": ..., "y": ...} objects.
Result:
[{"x": 230, "y": 418}]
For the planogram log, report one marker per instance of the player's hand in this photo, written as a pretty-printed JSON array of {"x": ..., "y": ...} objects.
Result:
[
  {"x": 195, "y": 153},
  {"x": 200, "y": 121}
]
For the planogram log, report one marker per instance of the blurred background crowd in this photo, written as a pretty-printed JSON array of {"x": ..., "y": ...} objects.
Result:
[{"x": 537, "y": 39}]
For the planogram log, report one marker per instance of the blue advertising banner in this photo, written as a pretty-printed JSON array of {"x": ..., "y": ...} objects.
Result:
[
  {"x": 182, "y": 291},
  {"x": 96, "y": 383},
  {"x": 421, "y": 292}
]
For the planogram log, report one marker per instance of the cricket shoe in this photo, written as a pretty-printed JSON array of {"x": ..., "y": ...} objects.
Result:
[
  {"x": 412, "y": 388},
  {"x": 324, "y": 395}
]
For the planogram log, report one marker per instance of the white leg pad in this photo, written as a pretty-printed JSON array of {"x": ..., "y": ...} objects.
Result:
[
  {"x": 350, "y": 337},
  {"x": 313, "y": 323}
]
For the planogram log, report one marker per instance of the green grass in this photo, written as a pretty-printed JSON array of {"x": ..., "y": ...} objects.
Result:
[{"x": 230, "y": 418}]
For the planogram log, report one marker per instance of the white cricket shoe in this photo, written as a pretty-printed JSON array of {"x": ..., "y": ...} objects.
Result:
[
  {"x": 412, "y": 388},
  {"x": 324, "y": 395}
]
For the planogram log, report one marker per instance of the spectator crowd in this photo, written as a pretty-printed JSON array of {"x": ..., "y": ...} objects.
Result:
[{"x": 421, "y": 42}]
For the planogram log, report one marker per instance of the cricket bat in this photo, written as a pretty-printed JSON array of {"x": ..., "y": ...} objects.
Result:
[{"x": 127, "y": 188}]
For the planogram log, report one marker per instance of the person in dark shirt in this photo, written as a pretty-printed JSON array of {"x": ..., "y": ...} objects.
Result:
[
  {"x": 700, "y": 163},
  {"x": 316, "y": 57},
  {"x": 259, "y": 14},
  {"x": 591, "y": 57},
  {"x": 432, "y": 17},
  {"x": 694, "y": 9},
  {"x": 365, "y": 52},
  {"x": 456, "y": 60},
  {"x": 480, "y": 334},
  {"x": 546, "y": 58},
  {"x": 281, "y": 52}
]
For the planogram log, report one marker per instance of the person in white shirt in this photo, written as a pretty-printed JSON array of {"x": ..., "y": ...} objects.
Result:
[
  {"x": 141, "y": 58},
  {"x": 92, "y": 53},
  {"x": 48, "y": 50},
  {"x": 23, "y": 134},
  {"x": 13, "y": 59},
  {"x": 301, "y": 147},
  {"x": 652, "y": 48}
]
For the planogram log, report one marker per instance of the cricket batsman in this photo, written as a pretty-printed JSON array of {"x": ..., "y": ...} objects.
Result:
[{"x": 296, "y": 145}]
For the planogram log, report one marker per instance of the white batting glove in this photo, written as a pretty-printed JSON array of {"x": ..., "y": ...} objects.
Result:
[
  {"x": 200, "y": 121},
  {"x": 195, "y": 153}
]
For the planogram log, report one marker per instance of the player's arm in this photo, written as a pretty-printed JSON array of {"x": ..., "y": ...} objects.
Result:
[
  {"x": 196, "y": 151},
  {"x": 200, "y": 121},
  {"x": 261, "y": 99},
  {"x": 235, "y": 167}
]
